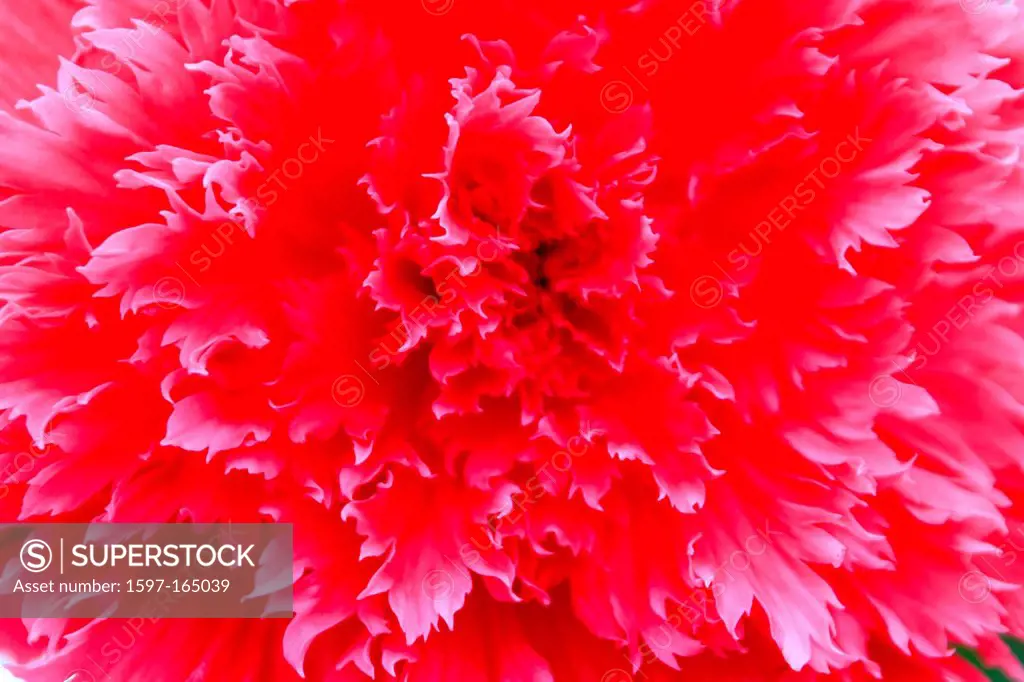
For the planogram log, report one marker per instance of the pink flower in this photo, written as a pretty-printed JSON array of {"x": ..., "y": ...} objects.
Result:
[{"x": 599, "y": 341}]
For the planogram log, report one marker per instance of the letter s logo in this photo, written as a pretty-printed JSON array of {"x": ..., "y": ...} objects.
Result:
[{"x": 36, "y": 556}]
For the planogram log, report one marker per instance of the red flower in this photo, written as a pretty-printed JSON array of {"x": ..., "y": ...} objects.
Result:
[{"x": 594, "y": 341}]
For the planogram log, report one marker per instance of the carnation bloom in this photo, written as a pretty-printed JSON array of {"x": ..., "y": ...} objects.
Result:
[{"x": 597, "y": 341}]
